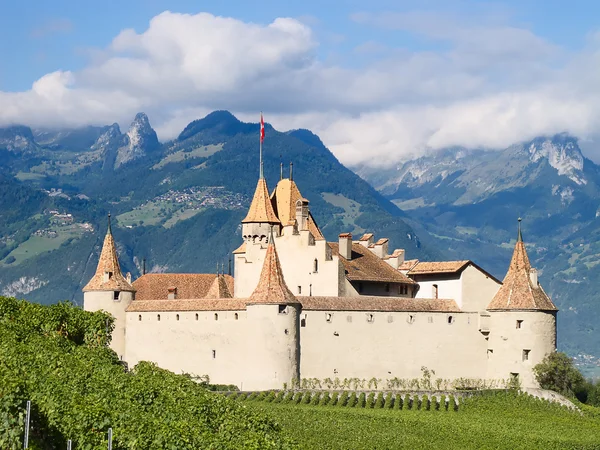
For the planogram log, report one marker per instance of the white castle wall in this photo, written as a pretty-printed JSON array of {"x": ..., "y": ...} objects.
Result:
[
  {"x": 297, "y": 262},
  {"x": 253, "y": 352},
  {"x": 104, "y": 301},
  {"x": 391, "y": 345},
  {"x": 537, "y": 333}
]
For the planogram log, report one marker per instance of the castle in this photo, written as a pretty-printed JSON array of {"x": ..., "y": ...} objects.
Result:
[{"x": 302, "y": 307}]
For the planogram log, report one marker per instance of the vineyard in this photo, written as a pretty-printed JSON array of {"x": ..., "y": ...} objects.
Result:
[
  {"x": 56, "y": 356},
  {"x": 351, "y": 420}
]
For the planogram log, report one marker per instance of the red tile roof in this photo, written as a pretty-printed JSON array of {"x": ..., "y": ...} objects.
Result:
[
  {"x": 154, "y": 286},
  {"x": 368, "y": 303},
  {"x": 261, "y": 209},
  {"x": 366, "y": 266}
]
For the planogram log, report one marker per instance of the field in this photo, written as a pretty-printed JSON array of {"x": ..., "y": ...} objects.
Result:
[
  {"x": 500, "y": 421},
  {"x": 350, "y": 207},
  {"x": 178, "y": 156},
  {"x": 36, "y": 245}
]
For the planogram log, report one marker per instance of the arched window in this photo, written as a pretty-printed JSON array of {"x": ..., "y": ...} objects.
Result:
[
  {"x": 177, "y": 317},
  {"x": 315, "y": 265},
  {"x": 236, "y": 316},
  {"x": 140, "y": 317},
  {"x": 158, "y": 317},
  {"x": 196, "y": 316},
  {"x": 216, "y": 316}
]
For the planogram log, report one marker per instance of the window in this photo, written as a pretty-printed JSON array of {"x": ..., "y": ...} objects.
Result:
[
  {"x": 387, "y": 287},
  {"x": 370, "y": 318},
  {"x": 328, "y": 317},
  {"x": 490, "y": 353},
  {"x": 286, "y": 331},
  {"x": 214, "y": 353},
  {"x": 526, "y": 355},
  {"x": 299, "y": 290},
  {"x": 390, "y": 319},
  {"x": 514, "y": 377},
  {"x": 177, "y": 317},
  {"x": 116, "y": 295},
  {"x": 403, "y": 289},
  {"x": 197, "y": 316},
  {"x": 140, "y": 317},
  {"x": 303, "y": 322},
  {"x": 360, "y": 287},
  {"x": 411, "y": 318},
  {"x": 236, "y": 316},
  {"x": 434, "y": 294},
  {"x": 450, "y": 320},
  {"x": 315, "y": 265},
  {"x": 349, "y": 319},
  {"x": 430, "y": 319},
  {"x": 216, "y": 316},
  {"x": 519, "y": 324},
  {"x": 110, "y": 274},
  {"x": 158, "y": 317},
  {"x": 283, "y": 309}
]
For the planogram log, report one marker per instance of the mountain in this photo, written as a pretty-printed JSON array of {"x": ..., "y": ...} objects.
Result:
[
  {"x": 178, "y": 205},
  {"x": 465, "y": 202},
  {"x": 17, "y": 139}
]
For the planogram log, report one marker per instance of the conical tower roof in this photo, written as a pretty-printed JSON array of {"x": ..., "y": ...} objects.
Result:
[
  {"x": 271, "y": 286},
  {"x": 284, "y": 199},
  {"x": 261, "y": 209},
  {"x": 108, "y": 276},
  {"x": 219, "y": 288},
  {"x": 517, "y": 291}
]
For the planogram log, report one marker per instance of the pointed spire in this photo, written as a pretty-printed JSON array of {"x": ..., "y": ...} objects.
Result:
[
  {"x": 291, "y": 171},
  {"x": 261, "y": 209},
  {"x": 219, "y": 288},
  {"x": 108, "y": 276},
  {"x": 271, "y": 286},
  {"x": 518, "y": 291}
]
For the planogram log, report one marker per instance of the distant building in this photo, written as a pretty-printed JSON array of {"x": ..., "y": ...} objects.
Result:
[{"x": 301, "y": 307}]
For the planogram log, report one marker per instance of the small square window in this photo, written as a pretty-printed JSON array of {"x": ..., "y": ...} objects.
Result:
[
  {"x": 158, "y": 317},
  {"x": 370, "y": 318},
  {"x": 283, "y": 309},
  {"x": 197, "y": 316},
  {"x": 214, "y": 353},
  {"x": 140, "y": 317},
  {"x": 519, "y": 324},
  {"x": 450, "y": 320},
  {"x": 490, "y": 352},
  {"x": 410, "y": 318},
  {"x": 430, "y": 319},
  {"x": 349, "y": 319},
  {"x": 216, "y": 316},
  {"x": 236, "y": 316},
  {"x": 116, "y": 295},
  {"x": 299, "y": 290},
  {"x": 328, "y": 317},
  {"x": 177, "y": 317},
  {"x": 390, "y": 319},
  {"x": 526, "y": 355}
]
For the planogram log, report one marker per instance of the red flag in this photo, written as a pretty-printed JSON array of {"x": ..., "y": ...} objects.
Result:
[{"x": 262, "y": 128}]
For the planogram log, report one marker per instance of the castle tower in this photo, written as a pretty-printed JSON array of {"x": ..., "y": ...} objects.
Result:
[
  {"x": 522, "y": 322},
  {"x": 273, "y": 329},
  {"x": 261, "y": 217},
  {"x": 109, "y": 291}
]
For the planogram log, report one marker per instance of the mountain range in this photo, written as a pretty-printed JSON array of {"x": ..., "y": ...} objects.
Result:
[{"x": 177, "y": 205}]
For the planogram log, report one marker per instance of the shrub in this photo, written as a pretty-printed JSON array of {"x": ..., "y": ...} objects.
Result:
[
  {"x": 408, "y": 403},
  {"x": 417, "y": 401},
  {"x": 262, "y": 396},
  {"x": 343, "y": 401},
  {"x": 557, "y": 373},
  {"x": 316, "y": 398},
  {"x": 370, "y": 401},
  {"x": 353, "y": 400},
  {"x": 334, "y": 398},
  {"x": 398, "y": 402},
  {"x": 361, "y": 400},
  {"x": 252, "y": 396},
  {"x": 298, "y": 397},
  {"x": 325, "y": 399},
  {"x": 453, "y": 406},
  {"x": 270, "y": 396},
  {"x": 436, "y": 401},
  {"x": 279, "y": 397},
  {"x": 307, "y": 398},
  {"x": 289, "y": 396},
  {"x": 379, "y": 401},
  {"x": 443, "y": 404},
  {"x": 389, "y": 401},
  {"x": 425, "y": 405}
]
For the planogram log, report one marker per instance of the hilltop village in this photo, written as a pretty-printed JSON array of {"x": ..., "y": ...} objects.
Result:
[{"x": 302, "y": 307}]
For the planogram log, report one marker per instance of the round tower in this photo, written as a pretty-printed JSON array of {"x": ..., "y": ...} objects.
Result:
[
  {"x": 273, "y": 329},
  {"x": 522, "y": 322},
  {"x": 261, "y": 216},
  {"x": 109, "y": 291}
]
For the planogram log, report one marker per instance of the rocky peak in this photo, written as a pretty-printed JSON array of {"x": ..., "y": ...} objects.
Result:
[
  {"x": 111, "y": 136},
  {"x": 139, "y": 140},
  {"x": 17, "y": 138},
  {"x": 562, "y": 152}
]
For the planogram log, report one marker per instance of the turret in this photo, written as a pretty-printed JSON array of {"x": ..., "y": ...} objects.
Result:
[
  {"x": 273, "y": 324},
  {"x": 110, "y": 291},
  {"x": 261, "y": 216},
  {"x": 522, "y": 322}
]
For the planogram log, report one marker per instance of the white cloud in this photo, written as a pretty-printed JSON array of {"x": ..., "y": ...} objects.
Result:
[{"x": 480, "y": 83}]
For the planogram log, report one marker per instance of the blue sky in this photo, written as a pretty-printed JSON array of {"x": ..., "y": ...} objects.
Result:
[{"x": 364, "y": 75}]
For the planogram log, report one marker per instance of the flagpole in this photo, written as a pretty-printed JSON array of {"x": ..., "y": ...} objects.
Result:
[{"x": 260, "y": 139}]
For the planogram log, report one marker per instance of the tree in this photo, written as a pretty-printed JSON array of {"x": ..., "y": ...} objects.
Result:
[{"x": 557, "y": 373}]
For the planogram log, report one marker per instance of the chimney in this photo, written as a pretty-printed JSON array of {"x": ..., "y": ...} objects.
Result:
[
  {"x": 533, "y": 277},
  {"x": 396, "y": 259},
  {"x": 302, "y": 214},
  {"x": 172, "y": 293},
  {"x": 366, "y": 240},
  {"x": 381, "y": 248},
  {"x": 345, "y": 246}
]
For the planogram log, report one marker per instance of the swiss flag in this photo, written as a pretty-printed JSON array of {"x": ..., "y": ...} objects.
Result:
[{"x": 262, "y": 128}]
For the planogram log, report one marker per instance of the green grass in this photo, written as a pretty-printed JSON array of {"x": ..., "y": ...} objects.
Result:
[
  {"x": 28, "y": 176},
  {"x": 495, "y": 421},
  {"x": 350, "y": 207},
  {"x": 37, "y": 245},
  {"x": 181, "y": 215},
  {"x": 200, "y": 152}
]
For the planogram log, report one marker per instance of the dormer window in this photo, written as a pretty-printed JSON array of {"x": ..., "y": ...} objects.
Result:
[{"x": 116, "y": 295}]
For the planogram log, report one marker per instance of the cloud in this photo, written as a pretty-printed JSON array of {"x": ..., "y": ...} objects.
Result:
[
  {"x": 52, "y": 26},
  {"x": 481, "y": 83}
]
